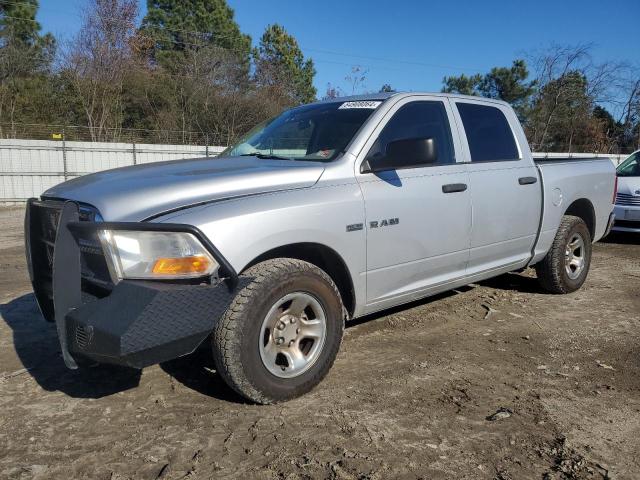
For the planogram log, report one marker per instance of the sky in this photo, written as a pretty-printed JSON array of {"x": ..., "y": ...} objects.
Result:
[{"x": 412, "y": 45}]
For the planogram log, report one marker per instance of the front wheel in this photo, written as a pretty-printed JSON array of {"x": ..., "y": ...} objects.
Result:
[
  {"x": 566, "y": 265},
  {"x": 281, "y": 334}
]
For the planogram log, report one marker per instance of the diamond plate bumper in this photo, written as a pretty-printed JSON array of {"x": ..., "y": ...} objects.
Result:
[
  {"x": 144, "y": 323},
  {"x": 137, "y": 323}
]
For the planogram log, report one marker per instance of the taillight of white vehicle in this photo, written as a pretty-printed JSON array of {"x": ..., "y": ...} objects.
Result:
[{"x": 615, "y": 189}]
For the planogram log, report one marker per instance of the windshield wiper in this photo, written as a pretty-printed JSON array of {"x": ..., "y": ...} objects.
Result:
[{"x": 267, "y": 156}]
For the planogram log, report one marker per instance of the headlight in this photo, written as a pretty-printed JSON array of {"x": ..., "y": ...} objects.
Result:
[{"x": 156, "y": 255}]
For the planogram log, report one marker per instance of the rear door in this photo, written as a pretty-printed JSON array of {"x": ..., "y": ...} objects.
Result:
[
  {"x": 418, "y": 219},
  {"x": 503, "y": 183}
]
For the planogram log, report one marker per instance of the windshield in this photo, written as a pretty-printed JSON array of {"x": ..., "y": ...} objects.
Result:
[
  {"x": 630, "y": 167},
  {"x": 318, "y": 132}
]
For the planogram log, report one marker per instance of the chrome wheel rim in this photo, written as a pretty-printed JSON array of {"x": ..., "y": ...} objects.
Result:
[
  {"x": 574, "y": 260},
  {"x": 292, "y": 335}
]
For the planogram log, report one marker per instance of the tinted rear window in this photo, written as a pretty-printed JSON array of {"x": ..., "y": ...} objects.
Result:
[{"x": 488, "y": 133}]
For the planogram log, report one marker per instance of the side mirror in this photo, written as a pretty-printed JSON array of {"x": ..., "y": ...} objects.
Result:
[{"x": 407, "y": 153}]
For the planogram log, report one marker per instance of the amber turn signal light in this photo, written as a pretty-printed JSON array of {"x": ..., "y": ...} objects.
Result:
[{"x": 182, "y": 265}]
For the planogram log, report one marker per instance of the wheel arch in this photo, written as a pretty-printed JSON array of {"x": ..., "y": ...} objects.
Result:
[
  {"x": 321, "y": 256},
  {"x": 583, "y": 208}
]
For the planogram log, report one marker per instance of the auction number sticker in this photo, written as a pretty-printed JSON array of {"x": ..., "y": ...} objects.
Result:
[{"x": 361, "y": 104}]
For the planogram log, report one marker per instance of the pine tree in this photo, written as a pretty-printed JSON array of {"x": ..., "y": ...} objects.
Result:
[
  {"x": 462, "y": 85},
  {"x": 279, "y": 61},
  {"x": 503, "y": 83},
  {"x": 510, "y": 85},
  {"x": 176, "y": 26},
  {"x": 25, "y": 66},
  {"x": 23, "y": 49}
]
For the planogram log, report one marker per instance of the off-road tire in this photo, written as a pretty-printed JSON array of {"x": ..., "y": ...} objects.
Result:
[
  {"x": 551, "y": 272},
  {"x": 235, "y": 339}
]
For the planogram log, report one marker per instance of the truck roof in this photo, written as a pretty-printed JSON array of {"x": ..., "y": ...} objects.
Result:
[{"x": 386, "y": 95}]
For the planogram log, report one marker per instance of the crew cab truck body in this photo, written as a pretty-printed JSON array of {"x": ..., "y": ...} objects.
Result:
[{"x": 330, "y": 211}]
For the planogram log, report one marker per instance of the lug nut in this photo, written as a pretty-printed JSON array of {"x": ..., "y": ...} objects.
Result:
[
  {"x": 291, "y": 343},
  {"x": 293, "y": 320},
  {"x": 279, "y": 341},
  {"x": 281, "y": 326}
]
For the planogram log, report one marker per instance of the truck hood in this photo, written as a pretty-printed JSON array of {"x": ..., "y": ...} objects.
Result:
[{"x": 138, "y": 192}]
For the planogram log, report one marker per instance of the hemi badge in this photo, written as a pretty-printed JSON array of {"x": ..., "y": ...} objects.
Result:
[{"x": 354, "y": 227}]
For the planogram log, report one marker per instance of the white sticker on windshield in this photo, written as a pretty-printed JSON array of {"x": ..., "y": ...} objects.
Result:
[{"x": 360, "y": 104}]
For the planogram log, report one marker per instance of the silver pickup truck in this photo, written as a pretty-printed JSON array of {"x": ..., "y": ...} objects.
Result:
[{"x": 326, "y": 213}]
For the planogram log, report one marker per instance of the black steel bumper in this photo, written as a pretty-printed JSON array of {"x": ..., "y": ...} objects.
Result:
[
  {"x": 134, "y": 323},
  {"x": 141, "y": 324}
]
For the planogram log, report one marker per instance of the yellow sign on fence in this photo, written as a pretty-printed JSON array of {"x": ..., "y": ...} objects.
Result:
[{"x": 56, "y": 136}]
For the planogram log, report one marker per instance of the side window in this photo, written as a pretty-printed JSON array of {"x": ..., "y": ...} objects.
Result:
[
  {"x": 488, "y": 133},
  {"x": 418, "y": 120}
]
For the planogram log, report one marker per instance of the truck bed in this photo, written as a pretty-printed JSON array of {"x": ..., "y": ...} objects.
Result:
[
  {"x": 593, "y": 183},
  {"x": 552, "y": 160}
]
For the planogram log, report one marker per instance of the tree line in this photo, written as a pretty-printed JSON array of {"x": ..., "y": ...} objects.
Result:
[
  {"x": 187, "y": 74},
  {"x": 562, "y": 106},
  {"x": 186, "y": 70}
]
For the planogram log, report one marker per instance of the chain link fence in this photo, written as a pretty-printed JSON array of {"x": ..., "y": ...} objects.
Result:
[{"x": 74, "y": 133}]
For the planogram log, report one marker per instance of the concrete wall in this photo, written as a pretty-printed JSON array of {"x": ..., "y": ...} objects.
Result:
[{"x": 29, "y": 167}]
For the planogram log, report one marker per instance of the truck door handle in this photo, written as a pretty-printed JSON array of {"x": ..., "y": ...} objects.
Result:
[
  {"x": 454, "y": 187},
  {"x": 527, "y": 180}
]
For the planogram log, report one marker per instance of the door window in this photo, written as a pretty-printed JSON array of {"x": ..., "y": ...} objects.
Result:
[
  {"x": 418, "y": 120},
  {"x": 488, "y": 133}
]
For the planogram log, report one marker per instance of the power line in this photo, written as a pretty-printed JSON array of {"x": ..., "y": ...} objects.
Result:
[
  {"x": 382, "y": 59},
  {"x": 328, "y": 52},
  {"x": 212, "y": 35}
]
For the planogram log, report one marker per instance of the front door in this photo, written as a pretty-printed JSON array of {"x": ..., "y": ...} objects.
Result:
[{"x": 418, "y": 219}]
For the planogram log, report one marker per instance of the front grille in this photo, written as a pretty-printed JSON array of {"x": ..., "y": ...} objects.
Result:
[
  {"x": 627, "y": 223},
  {"x": 95, "y": 272},
  {"x": 43, "y": 226},
  {"x": 627, "y": 199},
  {"x": 48, "y": 223}
]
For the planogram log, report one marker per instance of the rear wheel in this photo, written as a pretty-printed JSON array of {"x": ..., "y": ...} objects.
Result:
[
  {"x": 566, "y": 265},
  {"x": 282, "y": 332}
]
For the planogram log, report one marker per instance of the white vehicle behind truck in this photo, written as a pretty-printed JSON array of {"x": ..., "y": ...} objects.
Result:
[{"x": 326, "y": 213}]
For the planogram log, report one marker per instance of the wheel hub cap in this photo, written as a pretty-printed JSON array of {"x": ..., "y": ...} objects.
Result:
[
  {"x": 574, "y": 256},
  {"x": 292, "y": 335},
  {"x": 289, "y": 331}
]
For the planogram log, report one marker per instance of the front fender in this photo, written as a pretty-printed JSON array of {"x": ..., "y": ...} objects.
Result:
[{"x": 244, "y": 229}]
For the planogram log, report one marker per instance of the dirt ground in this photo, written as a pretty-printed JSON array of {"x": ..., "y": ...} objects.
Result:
[{"x": 409, "y": 396}]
